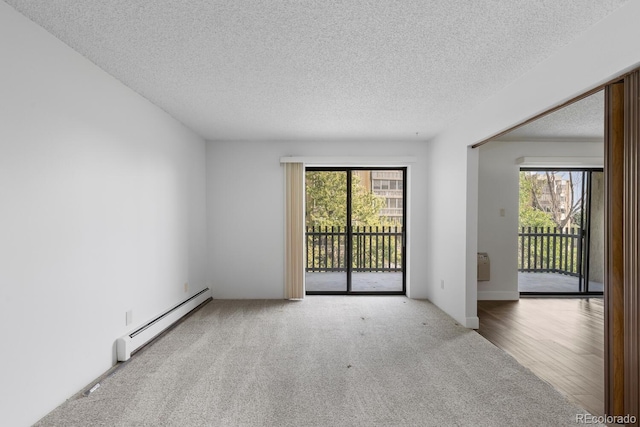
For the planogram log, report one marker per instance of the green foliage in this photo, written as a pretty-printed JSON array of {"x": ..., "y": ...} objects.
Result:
[
  {"x": 365, "y": 205},
  {"x": 542, "y": 251},
  {"x": 326, "y": 206},
  {"x": 327, "y": 201},
  {"x": 529, "y": 215}
]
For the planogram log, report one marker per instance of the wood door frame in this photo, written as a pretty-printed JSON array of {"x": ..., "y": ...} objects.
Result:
[
  {"x": 632, "y": 244},
  {"x": 622, "y": 237},
  {"x": 614, "y": 249}
]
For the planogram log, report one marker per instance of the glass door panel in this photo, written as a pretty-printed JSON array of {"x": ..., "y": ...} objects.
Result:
[
  {"x": 377, "y": 217},
  {"x": 354, "y": 231},
  {"x": 554, "y": 235},
  {"x": 326, "y": 231},
  {"x": 594, "y": 273}
]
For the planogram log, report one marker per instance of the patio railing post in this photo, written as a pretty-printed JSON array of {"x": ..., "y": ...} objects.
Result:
[
  {"x": 562, "y": 246},
  {"x": 535, "y": 248},
  {"x": 528, "y": 248},
  {"x": 555, "y": 253}
]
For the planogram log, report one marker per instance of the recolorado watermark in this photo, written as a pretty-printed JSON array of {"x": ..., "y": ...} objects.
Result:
[{"x": 605, "y": 419}]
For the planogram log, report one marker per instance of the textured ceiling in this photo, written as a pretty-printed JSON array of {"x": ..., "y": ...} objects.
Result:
[
  {"x": 580, "y": 121},
  {"x": 316, "y": 69}
]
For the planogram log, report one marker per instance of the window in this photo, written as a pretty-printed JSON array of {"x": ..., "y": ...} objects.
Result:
[{"x": 394, "y": 203}]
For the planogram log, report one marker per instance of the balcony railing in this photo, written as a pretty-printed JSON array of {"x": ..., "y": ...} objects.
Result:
[
  {"x": 375, "y": 249},
  {"x": 550, "y": 250}
]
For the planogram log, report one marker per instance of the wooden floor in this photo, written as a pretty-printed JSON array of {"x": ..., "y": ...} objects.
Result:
[{"x": 561, "y": 340}]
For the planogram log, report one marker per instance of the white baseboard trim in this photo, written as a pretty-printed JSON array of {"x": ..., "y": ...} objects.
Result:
[
  {"x": 127, "y": 344},
  {"x": 498, "y": 295},
  {"x": 472, "y": 322}
]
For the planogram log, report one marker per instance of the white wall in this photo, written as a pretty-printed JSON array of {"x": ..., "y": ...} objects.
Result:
[
  {"x": 447, "y": 219},
  {"x": 605, "y": 51},
  {"x": 245, "y": 201},
  {"x": 103, "y": 203},
  {"x": 498, "y": 188},
  {"x": 102, "y": 211}
]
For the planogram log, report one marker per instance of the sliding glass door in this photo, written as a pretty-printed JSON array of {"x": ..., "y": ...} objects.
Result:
[
  {"x": 561, "y": 232},
  {"x": 326, "y": 223},
  {"x": 355, "y": 235}
]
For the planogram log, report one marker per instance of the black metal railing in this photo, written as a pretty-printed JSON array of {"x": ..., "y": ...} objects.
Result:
[
  {"x": 373, "y": 248},
  {"x": 550, "y": 250}
]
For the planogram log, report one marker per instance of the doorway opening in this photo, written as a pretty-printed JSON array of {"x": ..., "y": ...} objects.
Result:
[
  {"x": 355, "y": 231},
  {"x": 561, "y": 231}
]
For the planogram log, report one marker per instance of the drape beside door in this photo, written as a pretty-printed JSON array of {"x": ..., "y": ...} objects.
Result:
[{"x": 294, "y": 231}]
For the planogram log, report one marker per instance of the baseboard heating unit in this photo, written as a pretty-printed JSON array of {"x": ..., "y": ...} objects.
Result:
[{"x": 129, "y": 343}]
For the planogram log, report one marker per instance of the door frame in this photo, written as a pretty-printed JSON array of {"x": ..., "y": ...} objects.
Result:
[
  {"x": 349, "y": 238},
  {"x": 622, "y": 205},
  {"x": 583, "y": 261}
]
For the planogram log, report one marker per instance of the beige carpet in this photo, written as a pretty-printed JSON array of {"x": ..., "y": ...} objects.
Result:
[{"x": 324, "y": 361}]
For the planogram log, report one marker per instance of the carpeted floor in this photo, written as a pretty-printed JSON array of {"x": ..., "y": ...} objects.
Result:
[{"x": 324, "y": 361}]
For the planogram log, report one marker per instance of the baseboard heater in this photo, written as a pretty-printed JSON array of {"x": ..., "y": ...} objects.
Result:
[{"x": 129, "y": 343}]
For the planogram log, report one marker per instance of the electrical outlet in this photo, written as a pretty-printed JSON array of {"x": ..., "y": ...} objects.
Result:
[
  {"x": 186, "y": 286},
  {"x": 501, "y": 211},
  {"x": 441, "y": 283},
  {"x": 128, "y": 318}
]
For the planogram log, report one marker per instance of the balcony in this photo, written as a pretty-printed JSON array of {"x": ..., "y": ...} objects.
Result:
[
  {"x": 552, "y": 260},
  {"x": 375, "y": 257}
]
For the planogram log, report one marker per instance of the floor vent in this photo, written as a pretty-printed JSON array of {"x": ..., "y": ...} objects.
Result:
[{"x": 129, "y": 343}]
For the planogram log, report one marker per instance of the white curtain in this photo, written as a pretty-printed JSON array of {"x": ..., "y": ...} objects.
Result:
[{"x": 294, "y": 231}]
